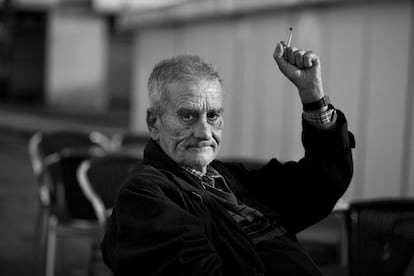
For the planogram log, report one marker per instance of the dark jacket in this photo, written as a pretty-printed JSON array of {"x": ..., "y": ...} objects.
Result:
[{"x": 164, "y": 223}]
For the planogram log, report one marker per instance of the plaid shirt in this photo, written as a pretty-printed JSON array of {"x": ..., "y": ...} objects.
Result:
[
  {"x": 256, "y": 226},
  {"x": 322, "y": 120},
  {"x": 207, "y": 179}
]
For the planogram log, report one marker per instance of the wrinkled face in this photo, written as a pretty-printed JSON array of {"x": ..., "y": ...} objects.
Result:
[{"x": 189, "y": 130}]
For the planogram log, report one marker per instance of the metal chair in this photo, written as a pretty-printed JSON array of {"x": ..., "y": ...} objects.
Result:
[
  {"x": 43, "y": 147},
  {"x": 71, "y": 215},
  {"x": 380, "y": 236},
  {"x": 100, "y": 179}
]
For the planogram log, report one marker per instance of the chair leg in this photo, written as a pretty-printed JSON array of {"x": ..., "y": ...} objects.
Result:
[
  {"x": 61, "y": 270},
  {"x": 40, "y": 231},
  {"x": 37, "y": 232},
  {"x": 39, "y": 244},
  {"x": 51, "y": 246},
  {"x": 95, "y": 252},
  {"x": 92, "y": 258},
  {"x": 44, "y": 233}
]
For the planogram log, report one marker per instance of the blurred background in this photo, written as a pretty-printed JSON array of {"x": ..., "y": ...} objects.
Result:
[{"x": 83, "y": 64}]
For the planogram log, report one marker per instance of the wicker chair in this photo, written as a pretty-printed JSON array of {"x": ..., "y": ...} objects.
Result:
[
  {"x": 100, "y": 179},
  {"x": 380, "y": 236},
  {"x": 43, "y": 148}
]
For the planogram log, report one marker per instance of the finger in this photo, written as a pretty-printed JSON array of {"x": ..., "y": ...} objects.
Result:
[
  {"x": 284, "y": 46},
  {"x": 290, "y": 55},
  {"x": 310, "y": 59},
  {"x": 279, "y": 56},
  {"x": 279, "y": 51},
  {"x": 307, "y": 61},
  {"x": 299, "y": 58}
]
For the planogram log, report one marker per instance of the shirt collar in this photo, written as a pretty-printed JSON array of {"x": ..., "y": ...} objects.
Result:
[
  {"x": 210, "y": 172},
  {"x": 208, "y": 178}
]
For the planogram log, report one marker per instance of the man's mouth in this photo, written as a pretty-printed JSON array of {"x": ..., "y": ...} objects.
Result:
[{"x": 201, "y": 145}]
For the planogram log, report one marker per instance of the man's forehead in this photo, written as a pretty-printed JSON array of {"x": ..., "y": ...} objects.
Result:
[
  {"x": 190, "y": 92},
  {"x": 198, "y": 102}
]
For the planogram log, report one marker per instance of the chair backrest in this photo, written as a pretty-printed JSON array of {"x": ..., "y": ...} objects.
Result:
[
  {"x": 129, "y": 142},
  {"x": 43, "y": 144},
  {"x": 101, "y": 177},
  {"x": 380, "y": 236},
  {"x": 43, "y": 149},
  {"x": 70, "y": 202}
]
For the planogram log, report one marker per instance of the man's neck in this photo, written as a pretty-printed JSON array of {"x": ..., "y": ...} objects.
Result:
[{"x": 195, "y": 170}]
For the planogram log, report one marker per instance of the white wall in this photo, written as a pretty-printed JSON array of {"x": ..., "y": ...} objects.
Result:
[
  {"x": 365, "y": 48},
  {"x": 76, "y": 61}
]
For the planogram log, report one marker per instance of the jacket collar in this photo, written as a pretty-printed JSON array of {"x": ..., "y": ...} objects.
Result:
[{"x": 154, "y": 156}]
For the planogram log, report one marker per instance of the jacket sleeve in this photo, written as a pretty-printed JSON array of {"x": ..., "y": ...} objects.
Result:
[
  {"x": 148, "y": 234},
  {"x": 306, "y": 191}
]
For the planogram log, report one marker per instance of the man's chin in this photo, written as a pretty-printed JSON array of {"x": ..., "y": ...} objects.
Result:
[{"x": 200, "y": 160}]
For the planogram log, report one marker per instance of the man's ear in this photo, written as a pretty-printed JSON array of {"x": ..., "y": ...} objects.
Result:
[{"x": 153, "y": 124}]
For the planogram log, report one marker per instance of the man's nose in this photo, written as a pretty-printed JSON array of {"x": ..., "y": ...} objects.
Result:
[{"x": 203, "y": 130}]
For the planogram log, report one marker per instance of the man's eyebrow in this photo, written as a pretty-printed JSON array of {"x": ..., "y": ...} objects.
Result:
[
  {"x": 190, "y": 109},
  {"x": 182, "y": 110},
  {"x": 218, "y": 110}
]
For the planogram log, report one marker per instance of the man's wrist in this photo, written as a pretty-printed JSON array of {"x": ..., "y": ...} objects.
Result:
[
  {"x": 311, "y": 94},
  {"x": 318, "y": 106},
  {"x": 322, "y": 120}
]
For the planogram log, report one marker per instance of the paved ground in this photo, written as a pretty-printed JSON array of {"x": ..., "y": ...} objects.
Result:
[{"x": 17, "y": 206}]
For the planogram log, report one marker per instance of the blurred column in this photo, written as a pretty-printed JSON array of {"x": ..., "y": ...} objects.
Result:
[
  {"x": 76, "y": 61},
  {"x": 6, "y": 35}
]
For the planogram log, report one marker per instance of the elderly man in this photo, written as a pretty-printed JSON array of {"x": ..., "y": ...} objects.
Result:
[{"x": 182, "y": 212}]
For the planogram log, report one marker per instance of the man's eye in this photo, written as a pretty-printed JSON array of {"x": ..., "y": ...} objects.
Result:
[
  {"x": 212, "y": 116},
  {"x": 187, "y": 117}
]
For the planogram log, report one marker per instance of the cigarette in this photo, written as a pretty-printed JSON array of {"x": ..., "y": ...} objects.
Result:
[{"x": 289, "y": 37}]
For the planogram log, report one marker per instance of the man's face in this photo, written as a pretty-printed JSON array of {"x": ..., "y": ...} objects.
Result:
[{"x": 190, "y": 128}]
